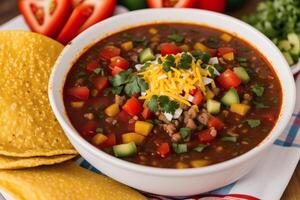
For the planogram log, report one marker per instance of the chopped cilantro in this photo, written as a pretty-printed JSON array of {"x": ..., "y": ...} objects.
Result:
[
  {"x": 229, "y": 139},
  {"x": 99, "y": 71},
  {"x": 211, "y": 72},
  {"x": 135, "y": 85},
  {"x": 185, "y": 61},
  {"x": 179, "y": 148},
  {"x": 166, "y": 105},
  {"x": 174, "y": 37},
  {"x": 198, "y": 55},
  {"x": 200, "y": 147},
  {"x": 258, "y": 90},
  {"x": 185, "y": 134},
  {"x": 219, "y": 67},
  {"x": 141, "y": 41},
  {"x": 120, "y": 78},
  {"x": 212, "y": 42},
  {"x": 81, "y": 75},
  {"x": 259, "y": 104},
  {"x": 169, "y": 62},
  {"x": 253, "y": 122},
  {"x": 153, "y": 104}
]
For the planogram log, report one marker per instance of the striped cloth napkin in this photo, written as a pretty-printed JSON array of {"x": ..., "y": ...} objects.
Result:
[{"x": 267, "y": 181}]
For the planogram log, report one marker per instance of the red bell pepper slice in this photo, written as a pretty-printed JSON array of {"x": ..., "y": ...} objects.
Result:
[
  {"x": 205, "y": 136},
  {"x": 100, "y": 83},
  {"x": 213, "y": 5},
  {"x": 46, "y": 17},
  {"x": 169, "y": 48},
  {"x": 84, "y": 15},
  {"x": 133, "y": 106},
  {"x": 119, "y": 62},
  {"x": 171, "y": 3},
  {"x": 229, "y": 79},
  {"x": 216, "y": 123},
  {"x": 81, "y": 93},
  {"x": 163, "y": 150}
]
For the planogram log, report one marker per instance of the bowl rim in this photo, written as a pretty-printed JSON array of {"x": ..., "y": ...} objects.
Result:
[{"x": 268, "y": 140}]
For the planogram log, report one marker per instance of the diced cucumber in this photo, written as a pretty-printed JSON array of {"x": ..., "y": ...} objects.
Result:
[
  {"x": 213, "y": 106},
  {"x": 146, "y": 55},
  {"x": 230, "y": 97},
  {"x": 288, "y": 58},
  {"x": 294, "y": 40},
  {"x": 284, "y": 45},
  {"x": 125, "y": 150},
  {"x": 242, "y": 74}
]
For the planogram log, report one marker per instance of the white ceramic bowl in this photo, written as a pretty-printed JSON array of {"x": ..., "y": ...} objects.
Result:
[{"x": 173, "y": 182}]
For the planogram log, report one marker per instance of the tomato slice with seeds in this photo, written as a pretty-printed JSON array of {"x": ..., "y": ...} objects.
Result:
[
  {"x": 44, "y": 16},
  {"x": 84, "y": 15},
  {"x": 171, "y": 3}
]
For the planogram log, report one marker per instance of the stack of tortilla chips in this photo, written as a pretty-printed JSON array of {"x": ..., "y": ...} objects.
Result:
[{"x": 30, "y": 135}]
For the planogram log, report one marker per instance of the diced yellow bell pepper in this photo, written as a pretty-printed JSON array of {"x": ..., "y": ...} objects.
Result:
[
  {"x": 229, "y": 56},
  {"x": 200, "y": 46},
  {"x": 209, "y": 94},
  {"x": 77, "y": 104},
  {"x": 132, "y": 137},
  {"x": 98, "y": 139},
  {"x": 127, "y": 45},
  {"x": 181, "y": 165},
  {"x": 199, "y": 163},
  {"x": 185, "y": 47},
  {"x": 226, "y": 37},
  {"x": 143, "y": 128},
  {"x": 239, "y": 108},
  {"x": 112, "y": 110},
  {"x": 153, "y": 31}
]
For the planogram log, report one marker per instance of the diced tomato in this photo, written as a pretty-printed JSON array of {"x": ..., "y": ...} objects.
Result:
[
  {"x": 84, "y": 15},
  {"x": 123, "y": 116},
  {"x": 229, "y": 79},
  {"x": 100, "y": 83},
  {"x": 216, "y": 123},
  {"x": 205, "y": 136},
  {"x": 268, "y": 117},
  {"x": 46, "y": 17},
  {"x": 89, "y": 128},
  {"x": 81, "y": 93},
  {"x": 133, "y": 106},
  {"x": 108, "y": 52},
  {"x": 119, "y": 62},
  {"x": 111, "y": 141},
  {"x": 146, "y": 114},
  {"x": 116, "y": 70},
  {"x": 212, "y": 52},
  {"x": 213, "y": 5},
  {"x": 193, "y": 91},
  {"x": 171, "y": 3},
  {"x": 169, "y": 48},
  {"x": 92, "y": 66},
  {"x": 224, "y": 50},
  {"x": 163, "y": 150},
  {"x": 158, "y": 142},
  {"x": 198, "y": 98}
]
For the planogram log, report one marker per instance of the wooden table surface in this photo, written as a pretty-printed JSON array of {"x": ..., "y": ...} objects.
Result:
[{"x": 9, "y": 9}]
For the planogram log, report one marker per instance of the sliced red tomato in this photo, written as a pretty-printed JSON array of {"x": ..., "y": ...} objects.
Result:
[
  {"x": 163, "y": 150},
  {"x": 171, "y": 3},
  {"x": 119, "y": 62},
  {"x": 169, "y": 48},
  {"x": 133, "y": 106},
  {"x": 92, "y": 66},
  {"x": 229, "y": 79},
  {"x": 213, "y": 5},
  {"x": 224, "y": 50},
  {"x": 116, "y": 70},
  {"x": 146, "y": 114},
  {"x": 205, "y": 136},
  {"x": 108, "y": 52},
  {"x": 84, "y": 15},
  {"x": 216, "y": 123},
  {"x": 100, "y": 83},
  {"x": 44, "y": 16},
  {"x": 198, "y": 98},
  {"x": 89, "y": 128},
  {"x": 81, "y": 93},
  {"x": 111, "y": 141}
]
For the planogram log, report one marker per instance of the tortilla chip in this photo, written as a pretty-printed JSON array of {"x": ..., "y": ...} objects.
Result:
[
  {"x": 63, "y": 181},
  {"x": 7, "y": 162},
  {"x": 27, "y": 125}
]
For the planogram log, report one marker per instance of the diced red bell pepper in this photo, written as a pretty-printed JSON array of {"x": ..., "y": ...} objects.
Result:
[
  {"x": 89, "y": 129},
  {"x": 100, "y": 83},
  {"x": 146, "y": 114},
  {"x": 216, "y": 123},
  {"x": 119, "y": 62},
  {"x": 224, "y": 50},
  {"x": 108, "y": 52},
  {"x": 133, "y": 106},
  {"x": 92, "y": 66},
  {"x": 205, "y": 136},
  {"x": 81, "y": 93},
  {"x": 229, "y": 79},
  {"x": 116, "y": 70},
  {"x": 163, "y": 150},
  {"x": 169, "y": 48},
  {"x": 111, "y": 141},
  {"x": 198, "y": 98}
]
